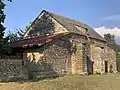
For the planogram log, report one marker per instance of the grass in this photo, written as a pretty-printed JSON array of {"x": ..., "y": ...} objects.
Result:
[{"x": 71, "y": 82}]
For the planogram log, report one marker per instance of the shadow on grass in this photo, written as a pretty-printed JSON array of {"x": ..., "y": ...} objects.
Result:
[{"x": 21, "y": 81}]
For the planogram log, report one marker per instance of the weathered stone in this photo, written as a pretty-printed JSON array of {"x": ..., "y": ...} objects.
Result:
[
  {"x": 11, "y": 70},
  {"x": 111, "y": 58}
]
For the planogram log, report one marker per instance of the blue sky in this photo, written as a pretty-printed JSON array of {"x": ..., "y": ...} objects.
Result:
[{"x": 95, "y": 13}]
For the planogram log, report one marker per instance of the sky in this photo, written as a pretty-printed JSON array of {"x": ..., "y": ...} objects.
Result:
[{"x": 101, "y": 15}]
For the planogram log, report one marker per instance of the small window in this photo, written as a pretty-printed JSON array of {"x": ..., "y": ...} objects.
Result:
[
  {"x": 86, "y": 29},
  {"x": 102, "y": 47},
  {"x": 84, "y": 44}
]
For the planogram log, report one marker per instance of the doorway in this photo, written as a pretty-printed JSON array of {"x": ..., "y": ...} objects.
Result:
[
  {"x": 106, "y": 66},
  {"x": 89, "y": 66}
]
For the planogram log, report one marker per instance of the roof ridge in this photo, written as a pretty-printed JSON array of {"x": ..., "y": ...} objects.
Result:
[{"x": 77, "y": 21}]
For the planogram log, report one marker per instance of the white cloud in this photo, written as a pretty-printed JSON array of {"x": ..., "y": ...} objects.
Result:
[
  {"x": 114, "y": 31},
  {"x": 114, "y": 17}
]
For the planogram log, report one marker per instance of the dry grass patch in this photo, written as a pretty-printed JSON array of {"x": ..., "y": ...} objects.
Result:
[{"x": 71, "y": 82}]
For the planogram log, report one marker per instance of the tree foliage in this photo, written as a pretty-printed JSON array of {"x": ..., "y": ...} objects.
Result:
[
  {"x": 3, "y": 41},
  {"x": 110, "y": 40},
  {"x": 18, "y": 35}
]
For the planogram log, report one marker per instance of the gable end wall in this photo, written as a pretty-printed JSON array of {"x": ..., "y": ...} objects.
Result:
[{"x": 52, "y": 29}]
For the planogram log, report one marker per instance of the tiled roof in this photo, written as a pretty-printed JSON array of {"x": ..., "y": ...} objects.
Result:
[
  {"x": 35, "y": 41},
  {"x": 71, "y": 26}
]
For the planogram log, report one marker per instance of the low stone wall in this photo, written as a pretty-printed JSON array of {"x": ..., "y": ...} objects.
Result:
[{"x": 11, "y": 70}]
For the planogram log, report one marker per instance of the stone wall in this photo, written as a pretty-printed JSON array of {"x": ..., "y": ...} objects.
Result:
[
  {"x": 78, "y": 54},
  {"x": 61, "y": 56},
  {"x": 111, "y": 58},
  {"x": 76, "y": 59},
  {"x": 97, "y": 56},
  {"x": 11, "y": 70},
  {"x": 55, "y": 59},
  {"x": 104, "y": 58},
  {"x": 66, "y": 55}
]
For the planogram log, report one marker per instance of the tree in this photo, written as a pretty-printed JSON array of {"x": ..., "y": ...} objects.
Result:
[
  {"x": 2, "y": 18},
  {"x": 110, "y": 40},
  {"x": 18, "y": 35},
  {"x": 2, "y": 28}
]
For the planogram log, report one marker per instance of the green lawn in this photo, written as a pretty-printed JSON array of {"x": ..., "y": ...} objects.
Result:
[{"x": 72, "y": 82}]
